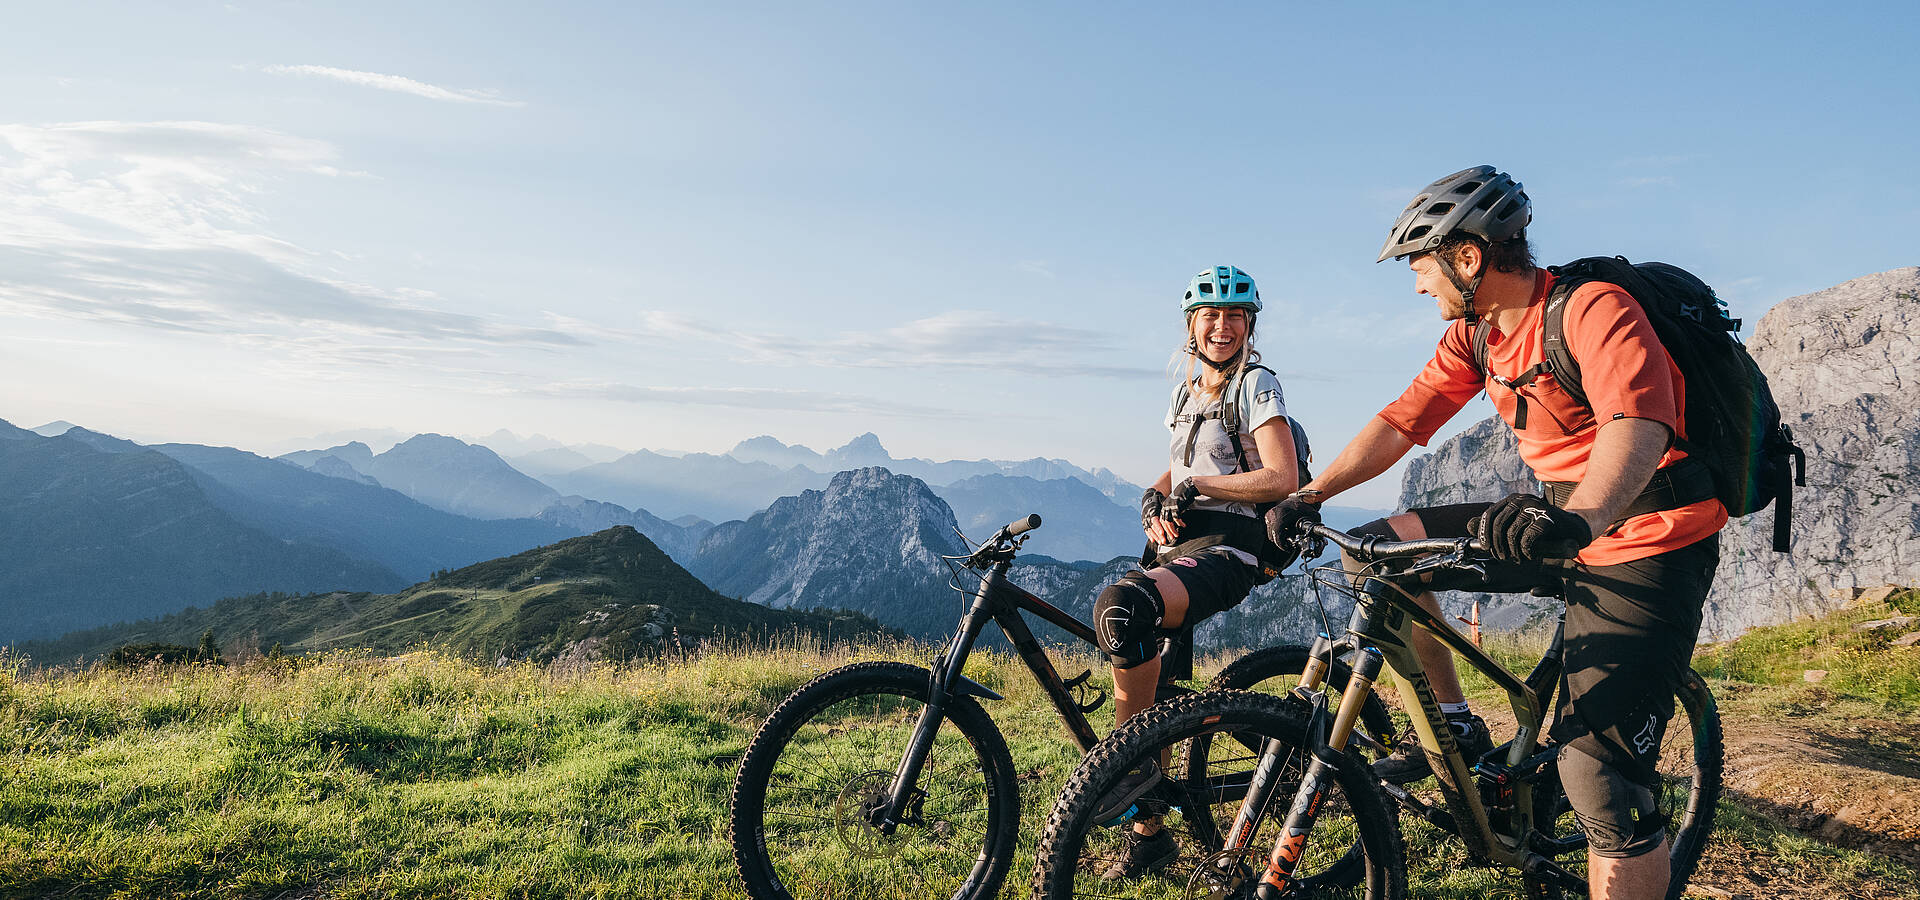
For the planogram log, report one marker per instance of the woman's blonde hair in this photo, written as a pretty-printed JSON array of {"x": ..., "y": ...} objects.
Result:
[{"x": 1191, "y": 350}]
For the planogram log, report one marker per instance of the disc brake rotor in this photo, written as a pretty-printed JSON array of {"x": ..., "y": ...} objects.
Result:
[
  {"x": 1221, "y": 876},
  {"x": 855, "y": 810}
]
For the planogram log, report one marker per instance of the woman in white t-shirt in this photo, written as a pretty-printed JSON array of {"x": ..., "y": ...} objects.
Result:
[{"x": 1202, "y": 518}]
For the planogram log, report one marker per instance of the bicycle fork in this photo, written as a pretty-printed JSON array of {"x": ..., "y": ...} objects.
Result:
[
  {"x": 1326, "y": 755},
  {"x": 901, "y": 805}
]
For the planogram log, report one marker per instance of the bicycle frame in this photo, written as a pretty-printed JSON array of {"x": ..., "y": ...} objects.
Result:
[
  {"x": 998, "y": 601},
  {"x": 1380, "y": 635}
]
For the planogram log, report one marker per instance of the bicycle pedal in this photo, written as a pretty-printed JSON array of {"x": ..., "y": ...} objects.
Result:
[{"x": 1077, "y": 686}]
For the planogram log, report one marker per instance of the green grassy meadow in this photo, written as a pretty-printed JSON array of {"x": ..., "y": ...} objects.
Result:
[{"x": 425, "y": 775}]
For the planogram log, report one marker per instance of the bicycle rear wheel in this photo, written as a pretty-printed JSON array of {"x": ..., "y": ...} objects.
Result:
[
  {"x": 1691, "y": 758},
  {"x": 803, "y": 816},
  {"x": 1353, "y": 849}
]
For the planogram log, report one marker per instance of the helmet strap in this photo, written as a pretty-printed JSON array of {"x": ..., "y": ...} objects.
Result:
[{"x": 1466, "y": 287}]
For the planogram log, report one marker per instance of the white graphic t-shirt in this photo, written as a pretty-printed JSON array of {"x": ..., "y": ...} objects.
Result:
[{"x": 1261, "y": 400}]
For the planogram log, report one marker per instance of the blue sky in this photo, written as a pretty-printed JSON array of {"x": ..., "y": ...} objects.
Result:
[{"x": 963, "y": 227}]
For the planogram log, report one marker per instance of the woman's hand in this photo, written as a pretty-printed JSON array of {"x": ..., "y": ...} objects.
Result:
[{"x": 1159, "y": 530}]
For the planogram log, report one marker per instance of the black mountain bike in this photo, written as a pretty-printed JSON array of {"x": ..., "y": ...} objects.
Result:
[
  {"x": 1275, "y": 797},
  {"x": 886, "y": 779}
]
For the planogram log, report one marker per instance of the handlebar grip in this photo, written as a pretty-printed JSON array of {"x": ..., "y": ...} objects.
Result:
[{"x": 1019, "y": 527}]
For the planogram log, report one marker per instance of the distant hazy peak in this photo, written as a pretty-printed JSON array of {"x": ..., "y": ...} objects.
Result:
[
  {"x": 54, "y": 428},
  {"x": 865, "y": 443},
  {"x": 763, "y": 442}
]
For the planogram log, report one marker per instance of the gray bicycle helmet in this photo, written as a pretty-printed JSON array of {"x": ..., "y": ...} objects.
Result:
[{"x": 1480, "y": 201}]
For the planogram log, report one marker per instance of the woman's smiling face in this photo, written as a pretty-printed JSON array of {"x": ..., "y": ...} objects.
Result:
[{"x": 1219, "y": 332}]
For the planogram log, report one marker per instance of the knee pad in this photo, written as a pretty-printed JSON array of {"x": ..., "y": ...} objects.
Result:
[
  {"x": 1617, "y": 813},
  {"x": 1126, "y": 618}
]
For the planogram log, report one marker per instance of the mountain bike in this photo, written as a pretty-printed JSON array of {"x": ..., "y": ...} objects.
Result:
[
  {"x": 886, "y": 779},
  {"x": 1274, "y": 797}
]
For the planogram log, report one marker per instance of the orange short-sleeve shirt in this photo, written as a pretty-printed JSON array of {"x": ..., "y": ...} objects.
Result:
[{"x": 1625, "y": 372}]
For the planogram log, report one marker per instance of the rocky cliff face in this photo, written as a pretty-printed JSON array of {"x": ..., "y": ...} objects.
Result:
[
  {"x": 1844, "y": 365},
  {"x": 870, "y": 542}
]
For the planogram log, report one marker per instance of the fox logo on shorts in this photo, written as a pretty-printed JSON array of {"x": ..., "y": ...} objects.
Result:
[{"x": 1643, "y": 742}]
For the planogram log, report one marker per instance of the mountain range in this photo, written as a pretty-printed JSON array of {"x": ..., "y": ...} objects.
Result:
[
  {"x": 91, "y": 535},
  {"x": 609, "y": 595}
]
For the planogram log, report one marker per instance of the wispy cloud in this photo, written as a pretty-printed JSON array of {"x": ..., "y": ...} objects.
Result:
[
  {"x": 963, "y": 339},
  {"x": 736, "y": 398},
  {"x": 398, "y": 84},
  {"x": 224, "y": 292},
  {"x": 157, "y": 226}
]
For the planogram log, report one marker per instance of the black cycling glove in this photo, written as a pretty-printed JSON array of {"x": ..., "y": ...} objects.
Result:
[
  {"x": 1526, "y": 528},
  {"x": 1181, "y": 500},
  {"x": 1283, "y": 523},
  {"x": 1150, "y": 507}
]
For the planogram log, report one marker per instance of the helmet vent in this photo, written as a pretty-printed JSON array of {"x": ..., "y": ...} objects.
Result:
[
  {"x": 1506, "y": 212},
  {"x": 1206, "y": 288},
  {"x": 1418, "y": 232},
  {"x": 1240, "y": 288},
  {"x": 1439, "y": 209},
  {"x": 1468, "y": 187}
]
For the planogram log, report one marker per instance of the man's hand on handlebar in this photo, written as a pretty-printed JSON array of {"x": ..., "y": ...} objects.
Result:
[
  {"x": 1526, "y": 528},
  {"x": 1285, "y": 523}
]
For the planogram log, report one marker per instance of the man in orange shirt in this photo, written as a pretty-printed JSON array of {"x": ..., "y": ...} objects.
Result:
[{"x": 1632, "y": 525}]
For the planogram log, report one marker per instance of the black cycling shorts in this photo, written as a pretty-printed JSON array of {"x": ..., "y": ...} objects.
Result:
[
  {"x": 1630, "y": 634},
  {"x": 1215, "y": 581}
]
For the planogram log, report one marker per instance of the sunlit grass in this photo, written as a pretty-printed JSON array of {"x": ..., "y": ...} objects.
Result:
[{"x": 426, "y": 775}]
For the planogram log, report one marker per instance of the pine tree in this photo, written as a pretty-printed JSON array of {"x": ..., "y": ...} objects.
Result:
[{"x": 209, "y": 652}]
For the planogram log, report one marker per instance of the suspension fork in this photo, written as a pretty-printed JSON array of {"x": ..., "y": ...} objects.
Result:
[
  {"x": 1319, "y": 777},
  {"x": 903, "y": 796},
  {"x": 1272, "y": 752}
]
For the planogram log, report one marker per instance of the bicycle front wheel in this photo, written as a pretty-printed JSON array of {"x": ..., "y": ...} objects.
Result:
[
  {"x": 1692, "y": 755},
  {"x": 1353, "y": 849},
  {"x": 814, "y": 780}
]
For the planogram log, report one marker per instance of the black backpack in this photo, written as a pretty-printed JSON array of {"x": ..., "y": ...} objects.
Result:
[{"x": 1733, "y": 424}]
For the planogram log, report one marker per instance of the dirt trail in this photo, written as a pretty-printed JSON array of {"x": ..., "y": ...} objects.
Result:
[
  {"x": 1851, "y": 782},
  {"x": 1848, "y": 781}
]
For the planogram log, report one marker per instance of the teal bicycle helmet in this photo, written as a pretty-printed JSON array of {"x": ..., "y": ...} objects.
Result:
[{"x": 1221, "y": 286}]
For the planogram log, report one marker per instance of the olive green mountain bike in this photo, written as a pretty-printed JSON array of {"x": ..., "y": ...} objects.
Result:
[{"x": 1274, "y": 796}]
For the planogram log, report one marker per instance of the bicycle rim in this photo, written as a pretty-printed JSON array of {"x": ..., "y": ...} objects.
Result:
[
  {"x": 1353, "y": 849},
  {"x": 813, "y": 780}
]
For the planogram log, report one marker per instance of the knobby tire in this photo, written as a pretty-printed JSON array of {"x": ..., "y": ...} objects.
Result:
[
  {"x": 799, "y": 820},
  {"x": 1354, "y": 849}
]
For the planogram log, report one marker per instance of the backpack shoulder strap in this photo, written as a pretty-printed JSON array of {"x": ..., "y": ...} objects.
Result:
[
  {"x": 1230, "y": 414},
  {"x": 1553, "y": 340}
]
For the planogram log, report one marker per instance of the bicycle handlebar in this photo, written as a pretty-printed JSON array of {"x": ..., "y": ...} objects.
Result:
[
  {"x": 1372, "y": 548},
  {"x": 1019, "y": 527}
]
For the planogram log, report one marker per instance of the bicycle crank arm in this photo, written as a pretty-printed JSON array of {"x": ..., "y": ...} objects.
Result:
[{"x": 1543, "y": 868}]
